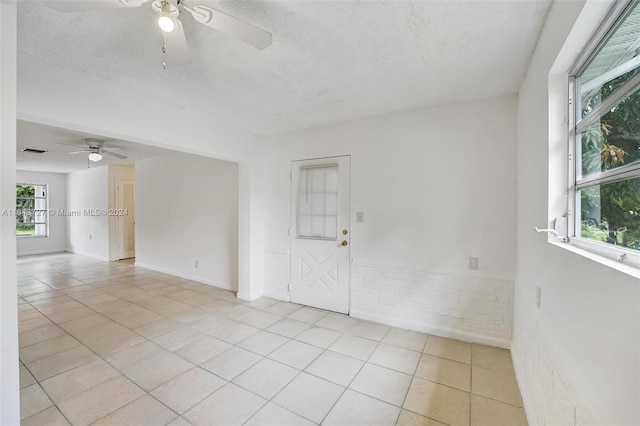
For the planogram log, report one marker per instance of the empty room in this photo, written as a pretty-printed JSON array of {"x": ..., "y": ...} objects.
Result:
[{"x": 276, "y": 212}]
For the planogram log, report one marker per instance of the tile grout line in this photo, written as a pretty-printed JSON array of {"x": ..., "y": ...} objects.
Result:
[
  {"x": 103, "y": 359},
  {"x": 132, "y": 299},
  {"x": 356, "y": 375},
  {"x": 412, "y": 378},
  {"x": 288, "y": 383}
]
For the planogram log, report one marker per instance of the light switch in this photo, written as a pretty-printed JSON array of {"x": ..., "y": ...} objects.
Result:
[{"x": 359, "y": 217}]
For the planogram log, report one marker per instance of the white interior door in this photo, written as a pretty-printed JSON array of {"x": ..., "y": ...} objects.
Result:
[
  {"x": 125, "y": 205},
  {"x": 320, "y": 234}
]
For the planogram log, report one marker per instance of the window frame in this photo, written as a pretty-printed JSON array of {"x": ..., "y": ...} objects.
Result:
[
  {"x": 300, "y": 193},
  {"x": 46, "y": 209},
  {"x": 623, "y": 256}
]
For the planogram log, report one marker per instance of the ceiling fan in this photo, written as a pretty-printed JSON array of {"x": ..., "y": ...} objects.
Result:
[
  {"x": 95, "y": 150},
  {"x": 169, "y": 12}
]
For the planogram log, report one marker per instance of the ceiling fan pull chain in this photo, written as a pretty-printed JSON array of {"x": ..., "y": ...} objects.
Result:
[{"x": 164, "y": 50}]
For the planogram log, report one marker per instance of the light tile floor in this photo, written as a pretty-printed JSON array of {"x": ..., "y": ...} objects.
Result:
[{"x": 114, "y": 344}]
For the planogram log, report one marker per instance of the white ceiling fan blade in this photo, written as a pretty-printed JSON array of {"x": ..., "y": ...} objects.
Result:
[
  {"x": 78, "y": 152},
  {"x": 177, "y": 47},
  {"x": 68, "y": 6},
  {"x": 235, "y": 27},
  {"x": 113, "y": 154},
  {"x": 76, "y": 145}
]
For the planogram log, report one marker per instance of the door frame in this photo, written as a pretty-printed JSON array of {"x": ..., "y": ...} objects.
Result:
[{"x": 291, "y": 221}]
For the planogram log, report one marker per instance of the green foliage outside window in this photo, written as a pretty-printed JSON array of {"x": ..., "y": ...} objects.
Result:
[
  {"x": 610, "y": 212},
  {"x": 25, "y": 204}
]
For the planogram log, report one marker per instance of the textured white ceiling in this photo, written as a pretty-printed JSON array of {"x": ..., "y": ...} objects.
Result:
[
  {"x": 330, "y": 60},
  {"x": 57, "y": 158}
]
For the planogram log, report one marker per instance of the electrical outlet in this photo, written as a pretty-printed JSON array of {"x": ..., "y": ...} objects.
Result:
[
  {"x": 538, "y": 296},
  {"x": 197, "y": 264},
  {"x": 359, "y": 217},
  {"x": 473, "y": 263}
]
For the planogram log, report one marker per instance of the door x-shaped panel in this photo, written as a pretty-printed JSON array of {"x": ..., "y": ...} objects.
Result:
[{"x": 318, "y": 270}]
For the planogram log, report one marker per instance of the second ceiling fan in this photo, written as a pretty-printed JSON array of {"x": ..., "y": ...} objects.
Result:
[
  {"x": 169, "y": 13},
  {"x": 95, "y": 149}
]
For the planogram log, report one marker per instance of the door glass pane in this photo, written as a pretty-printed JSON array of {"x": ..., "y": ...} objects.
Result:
[
  {"x": 317, "y": 208},
  {"x": 610, "y": 213},
  {"x": 317, "y": 181},
  {"x": 330, "y": 222},
  {"x": 317, "y": 226},
  {"x": 304, "y": 225},
  {"x": 331, "y": 202},
  {"x": 317, "y": 204},
  {"x": 332, "y": 179}
]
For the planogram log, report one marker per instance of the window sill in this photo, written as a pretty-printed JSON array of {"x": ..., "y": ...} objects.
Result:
[
  {"x": 625, "y": 268},
  {"x": 31, "y": 236}
]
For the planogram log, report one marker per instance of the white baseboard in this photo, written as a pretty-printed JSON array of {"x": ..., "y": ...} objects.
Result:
[
  {"x": 37, "y": 252},
  {"x": 277, "y": 296},
  {"x": 93, "y": 256},
  {"x": 526, "y": 397},
  {"x": 248, "y": 297},
  {"x": 430, "y": 329},
  {"x": 224, "y": 286}
]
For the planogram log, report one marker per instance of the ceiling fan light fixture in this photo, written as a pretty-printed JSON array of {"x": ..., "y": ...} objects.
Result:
[
  {"x": 165, "y": 21},
  {"x": 166, "y": 24},
  {"x": 95, "y": 157}
]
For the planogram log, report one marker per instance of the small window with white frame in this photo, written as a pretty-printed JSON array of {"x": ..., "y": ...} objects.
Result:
[
  {"x": 604, "y": 161},
  {"x": 32, "y": 214}
]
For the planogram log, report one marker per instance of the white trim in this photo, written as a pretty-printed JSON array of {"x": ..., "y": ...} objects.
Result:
[
  {"x": 93, "y": 256},
  {"x": 278, "y": 296},
  {"x": 249, "y": 297},
  {"x": 573, "y": 246},
  {"x": 429, "y": 329},
  {"x": 630, "y": 257},
  {"x": 601, "y": 15},
  {"x": 46, "y": 251},
  {"x": 527, "y": 402},
  {"x": 186, "y": 276}
]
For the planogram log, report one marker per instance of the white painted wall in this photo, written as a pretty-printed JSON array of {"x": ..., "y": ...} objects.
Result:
[
  {"x": 57, "y": 96},
  {"x": 187, "y": 210},
  {"x": 577, "y": 357},
  {"x": 115, "y": 173},
  {"x": 436, "y": 186},
  {"x": 57, "y": 240},
  {"x": 88, "y": 191},
  {"x": 9, "y": 384},
  {"x": 251, "y": 204}
]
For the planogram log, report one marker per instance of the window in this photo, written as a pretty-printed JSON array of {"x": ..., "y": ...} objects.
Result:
[
  {"x": 31, "y": 210},
  {"x": 318, "y": 202},
  {"x": 605, "y": 138}
]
